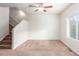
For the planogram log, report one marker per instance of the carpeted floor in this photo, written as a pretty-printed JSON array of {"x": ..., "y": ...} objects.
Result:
[{"x": 39, "y": 48}]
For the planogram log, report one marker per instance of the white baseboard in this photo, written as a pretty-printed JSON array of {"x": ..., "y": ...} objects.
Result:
[
  {"x": 3, "y": 36},
  {"x": 17, "y": 45},
  {"x": 43, "y": 38}
]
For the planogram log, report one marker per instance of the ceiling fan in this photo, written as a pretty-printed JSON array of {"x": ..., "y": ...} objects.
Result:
[{"x": 40, "y": 7}]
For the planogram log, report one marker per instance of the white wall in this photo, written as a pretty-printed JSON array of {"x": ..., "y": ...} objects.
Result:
[
  {"x": 43, "y": 26},
  {"x": 16, "y": 16},
  {"x": 4, "y": 22},
  {"x": 12, "y": 22},
  {"x": 72, "y": 43},
  {"x": 19, "y": 34}
]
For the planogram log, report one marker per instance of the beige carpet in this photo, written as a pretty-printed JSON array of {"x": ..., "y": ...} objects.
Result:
[{"x": 39, "y": 48}]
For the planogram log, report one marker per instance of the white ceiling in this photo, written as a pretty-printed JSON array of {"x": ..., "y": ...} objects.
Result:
[{"x": 57, "y": 7}]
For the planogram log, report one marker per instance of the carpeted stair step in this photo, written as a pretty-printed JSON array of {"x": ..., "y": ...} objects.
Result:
[
  {"x": 6, "y": 43},
  {"x": 8, "y": 46}
]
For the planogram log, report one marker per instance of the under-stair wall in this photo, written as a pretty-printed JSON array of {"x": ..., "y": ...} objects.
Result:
[{"x": 19, "y": 34}]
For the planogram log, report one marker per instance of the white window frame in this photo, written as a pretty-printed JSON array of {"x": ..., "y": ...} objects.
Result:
[{"x": 68, "y": 26}]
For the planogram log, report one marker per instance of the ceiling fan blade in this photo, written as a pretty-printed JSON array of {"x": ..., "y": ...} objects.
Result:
[
  {"x": 44, "y": 10},
  {"x": 48, "y": 6},
  {"x": 34, "y": 6},
  {"x": 36, "y": 10}
]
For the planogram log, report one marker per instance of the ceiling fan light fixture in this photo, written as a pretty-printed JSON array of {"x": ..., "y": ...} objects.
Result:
[{"x": 40, "y": 9}]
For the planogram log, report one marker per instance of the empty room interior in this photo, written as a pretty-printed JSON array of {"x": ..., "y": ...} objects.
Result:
[{"x": 39, "y": 29}]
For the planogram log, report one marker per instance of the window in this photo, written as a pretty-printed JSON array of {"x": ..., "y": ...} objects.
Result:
[
  {"x": 78, "y": 29},
  {"x": 73, "y": 26}
]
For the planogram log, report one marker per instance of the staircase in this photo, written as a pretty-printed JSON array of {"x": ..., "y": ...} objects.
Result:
[{"x": 6, "y": 43}]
